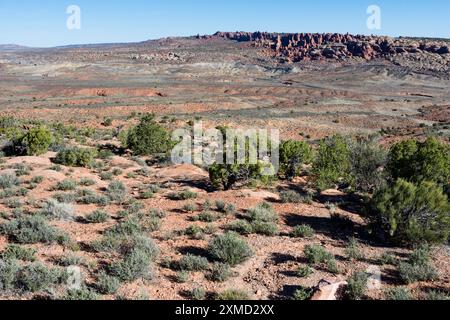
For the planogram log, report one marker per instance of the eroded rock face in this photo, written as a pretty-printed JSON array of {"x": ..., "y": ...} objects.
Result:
[{"x": 294, "y": 47}]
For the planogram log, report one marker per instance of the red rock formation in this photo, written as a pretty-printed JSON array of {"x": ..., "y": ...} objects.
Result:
[{"x": 295, "y": 47}]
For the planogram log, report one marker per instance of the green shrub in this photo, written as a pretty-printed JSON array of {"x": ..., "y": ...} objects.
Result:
[
  {"x": 8, "y": 274},
  {"x": 400, "y": 294},
  {"x": 116, "y": 191},
  {"x": 83, "y": 294},
  {"x": 97, "y": 216},
  {"x": 64, "y": 197},
  {"x": 226, "y": 176},
  {"x": 417, "y": 162},
  {"x": 265, "y": 228},
  {"x": 148, "y": 138},
  {"x": 233, "y": 295},
  {"x": 17, "y": 252},
  {"x": 291, "y": 196},
  {"x": 192, "y": 263},
  {"x": 206, "y": 216},
  {"x": 357, "y": 286},
  {"x": 9, "y": 180},
  {"x": 303, "y": 231},
  {"x": 438, "y": 295},
  {"x": 182, "y": 276},
  {"x": 190, "y": 207},
  {"x": 37, "y": 277},
  {"x": 132, "y": 266},
  {"x": 367, "y": 160},
  {"x": 409, "y": 214},
  {"x": 263, "y": 212},
  {"x": 33, "y": 229},
  {"x": 60, "y": 211},
  {"x": 332, "y": 163},
  {"x": 293, "y": 154},
  {"x": 220, "y": 272},
  {"x": 242, "y": 227},
  {"x": 353, "y": 250},
  {"x": 194, "y": 232},
  {"x": 71, "y": 260},
  {"x": 198, "y": 294},
  {"x": 316, "y": 254},
  {"x": 36, "y": 141},
  {"x": 183, "y": 195},
  {"x": 302, "y": 294},
  {"x": 107, "y": 284},
  {"x": 418, "y": 267},
  {"x": 304, "y": 272},
  {"x": 75, "y": 157},
  {"x": 388, "y": 259},
  {"x": 229, "y": 248}
]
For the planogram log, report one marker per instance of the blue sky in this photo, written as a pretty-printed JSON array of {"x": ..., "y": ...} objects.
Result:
[{"x": 43, "y": 23}]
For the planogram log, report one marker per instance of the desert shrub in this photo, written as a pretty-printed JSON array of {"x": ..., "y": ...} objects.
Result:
[
  {"x": 230, "y": 208},
  {"x": 263, "y": 212},
  {"x": 388, "y": 259},
  {"x": 8, "y": 274},
  {"x": 265, "y": 228},
  {"x": 182, "y": 276},
  {"x": 417, "y": 162},
  {"x": 192, "y": 263},
  {"x": 37, "y": 179},
  {"x": 332, "y": 163},
  {"x": 242, "y": 227},
  {"x": 13, "y": 203},
  {"x": 303, "y": 231},
  {"x": 367, "y": 160},
  {"x": 183, "y": 195},
  {"x": 116, "y": 191},
  {"x": 97, "y": 216},
  {"x": 71, "y": 260},
  {"x": 37, "y": 277},
  {"x": 316, "y": 254},
  {"x": 233, "y": 295},
  {"x": 291, "y": 196},
  {"x": 229, "y": 248},
  {"x": 353, "y": 250},
  {"x": 8, "y": 180},
  {"x": 106, "y": 176},
  {"x": 148, "y": 138},
  {"x": 207, "y": 216},
  {"x": 198, "y": 294},
  {"x": 399, "y": 294},
  {"x": 194, "y": 232},
  {"x": 408, "y": 213},
  {"x": 438, "y": 295},
  {"x": 86, "y": 182},
  {"x": 65, "y": 197},
  {"x": 56, "y": 210},
  {"x": 107, "y": 284},
  {"x": 357, "y": 286},
  {"x": 190, "y": 207},
  {"x": 418, "y": 267},
  {"x": 293, "y": 154},
  {"x": 35, "y": 141},
  {"x": 86, "y": 196},
  {"x": 220, "y": 205},
  {"x": 83, "y": 294},
  {"x": 302, "y": 294},
  {"x": 75, "y": 157},
  {"x": 33, "y": 229},
  {"x": 228, "y": 175},
  {"x": 133, "y": 265},
  {"x": 304, "y": 272},
  {"x": 220, "y": 272},
  {"x": 17, "y": 252}
]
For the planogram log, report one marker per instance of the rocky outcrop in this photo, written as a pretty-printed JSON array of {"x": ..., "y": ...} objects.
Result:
[{"x": 294, "y": 47}]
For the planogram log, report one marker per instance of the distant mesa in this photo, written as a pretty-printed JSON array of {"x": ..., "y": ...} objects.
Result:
[{"x": 295, "y": 47}]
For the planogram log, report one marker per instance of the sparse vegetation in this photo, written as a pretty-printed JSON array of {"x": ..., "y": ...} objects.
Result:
[{"x": 229, "y": 248}]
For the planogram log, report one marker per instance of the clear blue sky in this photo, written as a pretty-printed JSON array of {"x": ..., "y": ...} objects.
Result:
[{"x": 43, "y": 22}]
